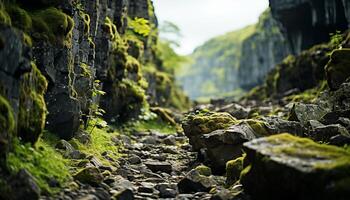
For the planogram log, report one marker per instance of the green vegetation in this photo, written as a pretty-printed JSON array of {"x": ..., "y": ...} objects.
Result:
[
  {"x": 153, "y": 124},
  {"x": 337, "y": 69},
  {"x": 100, "y": 142},
  {"x": 42, "y": 161},
  {"x": 233, "y": 170},
  {"x": 306, "y": 148},
  {"x": 203, "y": 170},
  {"x": 140, "y": 26},
  {"x": 206, "y": 122},
  {"x": 215, "y": 61},
  {"x": 32, "y": 110},
  {"x": 7, "y": 121}
]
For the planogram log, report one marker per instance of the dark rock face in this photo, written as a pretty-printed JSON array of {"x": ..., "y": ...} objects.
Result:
[
  {"x": 309, "y": 22},
  {"x": 85, "y": 50},
  {"x": 261, "y": 52},
  {"x": 286, "y": 167}
]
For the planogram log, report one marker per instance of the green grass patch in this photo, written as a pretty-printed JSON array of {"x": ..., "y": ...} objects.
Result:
[
  {"x": 42, "y": 161},
  {"x": 101, "y": 141},
  {"x": 154, "y": 124}
]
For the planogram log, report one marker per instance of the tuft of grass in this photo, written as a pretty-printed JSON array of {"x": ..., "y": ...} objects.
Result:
[
  {"x": 42, "y": 161},
  {"x": 101, "y": 142},
  {"x": 153, "y": 124}
]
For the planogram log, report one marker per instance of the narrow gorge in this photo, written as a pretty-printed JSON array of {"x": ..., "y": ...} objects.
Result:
[{"x": 95, "y": 105}]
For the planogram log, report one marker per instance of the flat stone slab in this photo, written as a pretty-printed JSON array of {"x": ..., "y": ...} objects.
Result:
[{"x": 156, "y": 166}]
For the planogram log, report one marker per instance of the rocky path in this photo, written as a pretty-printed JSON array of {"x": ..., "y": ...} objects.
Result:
[{"x": 154, "y": 166}]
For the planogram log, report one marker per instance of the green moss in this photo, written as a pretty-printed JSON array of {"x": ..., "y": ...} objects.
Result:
[
  {"x": 206, "y": 122},
  {"x": 4, "y": 16},
  {"x": 27, "y": 40},
  {"x": 32, "y": 107},
  {"x": 259, "y": 127},
  {"x": 7, "y": 127},
  {"x": 140, "y": 26},
  {"x": 54, "y": 25},
  {"x": 338, "y": 69},
  {"x": 135, "y": 47},
  {"x": 111, "y": 28},
  {"x": 101, "y": 141},
  {"x": 7, "y": 121},
  {"x": 203, "y": 170},
  {"x": 153, "y": 124},
  {"x": 130, "y": 88},
  {"x": 245, "y": 171},
  {"x": 257, "y": 93},
  {"x": 19, "y": 17},
  {"x": 86, "y": 19},
  {"x": 133, "y": 66},
  {"x": 306, "y": 148},
  {"x": 42, "y": 161},
  {"x": 85, "y": 70},
  {"x": 308, "y": 96},
  {"x": 233, "y": 170}
]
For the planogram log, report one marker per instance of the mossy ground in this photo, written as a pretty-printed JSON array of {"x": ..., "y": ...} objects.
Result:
[
  {"x": 100, "y": 142},
  {"x": 153, "y": 124},
  {"x": 42, "y": 161}
]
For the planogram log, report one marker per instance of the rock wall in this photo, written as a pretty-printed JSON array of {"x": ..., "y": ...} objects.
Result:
[
  {"x": 309, "y": 22},
  {"x": 240, "y": 59},
  {"x": 64, "y": 61},
  {"x": 261, "y": 52}
]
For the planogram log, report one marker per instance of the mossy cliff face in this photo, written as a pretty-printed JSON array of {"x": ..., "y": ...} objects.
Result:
[
  {"x": 84, "y": 49},
  {"x": 296, "y": 74},
  {"x": 239, "y": 59}
]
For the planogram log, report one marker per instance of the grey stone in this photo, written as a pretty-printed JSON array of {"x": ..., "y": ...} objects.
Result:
[{"x": 156, "y": 166}]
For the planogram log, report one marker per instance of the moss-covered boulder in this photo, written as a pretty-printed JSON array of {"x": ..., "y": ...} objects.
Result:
[
  {"x": 32, "y": 109},
  {"x": 123, "y": 100},
  {"x": 233, "y": 170},
  {"x": 7, "y": 125},
  {"x": 197, "y": 124},
  {"x": 203, "y": 170},
  {"x": 338, "y": 68},
  {"x": 226, "y": 144},
  {"x": 288, "y": 167}
]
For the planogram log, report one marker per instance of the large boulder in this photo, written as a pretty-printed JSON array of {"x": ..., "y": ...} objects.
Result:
[
  {"x": 225, "y": 145},
  {"x": 197, "y": 124},
  {"x": 338, "y": 68},
  {"x": 288, "y": 167}
]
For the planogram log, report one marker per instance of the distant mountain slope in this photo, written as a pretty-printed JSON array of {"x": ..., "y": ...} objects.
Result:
[{"x": 236, "y": 60}]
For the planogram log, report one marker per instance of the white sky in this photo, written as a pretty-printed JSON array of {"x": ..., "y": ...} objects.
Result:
[{"x": 200, "y": 20}]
